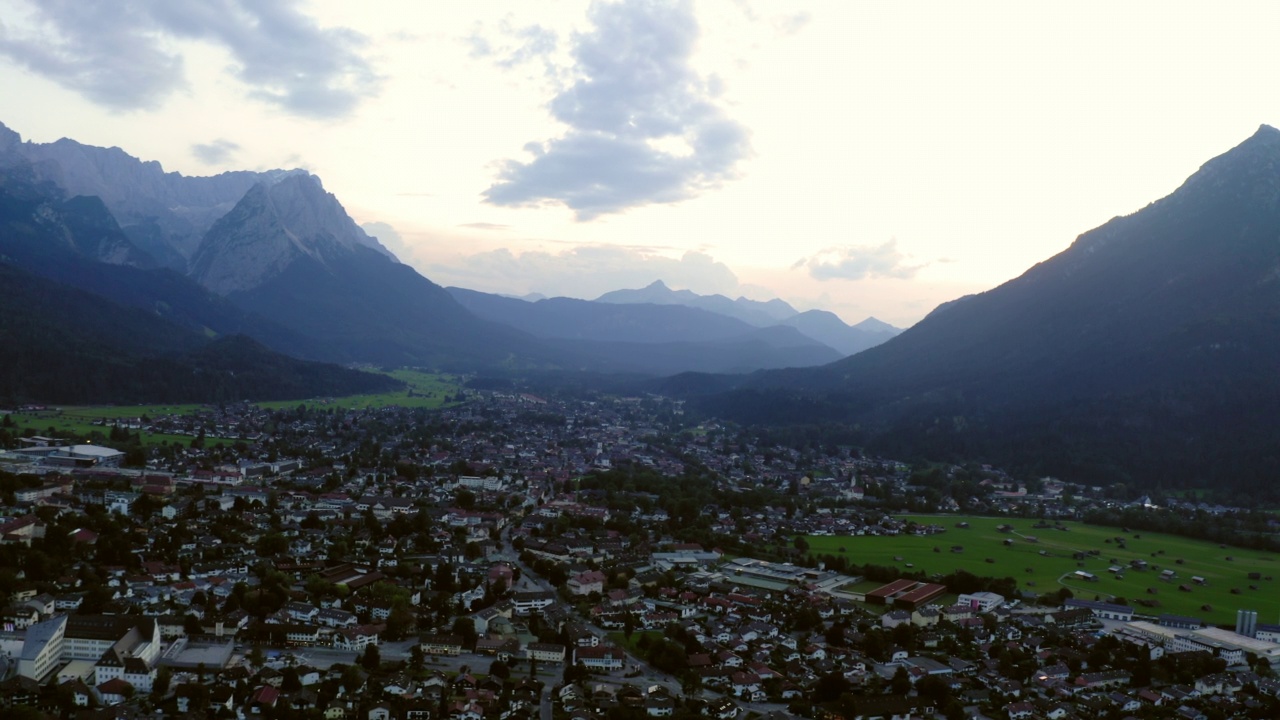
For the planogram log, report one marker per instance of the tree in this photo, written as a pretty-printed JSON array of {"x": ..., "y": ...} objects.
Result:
[
  {"x": 416, "y": 658},
  {"x": 399, "y": 622},
  {"x": 272, "y": 544},
  {"x": 466, "y": 628},
  {"x": 829, "y": 687},
  {"x": 499, "y": 669},
  {"x": 160, "y": 687},
  {"x": 371, "y": 658},
  {"x": 352, "y": 679},
  {"x": 575, "y": 673},
  {"x": 465, "y": 499},
  {"x": 901, "y": 682},
  {"x": 289, "y": 680},
  {"x": 934, "y": 688}
]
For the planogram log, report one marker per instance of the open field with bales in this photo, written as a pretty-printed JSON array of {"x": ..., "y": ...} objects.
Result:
[{"x": 1043, "y": 559}]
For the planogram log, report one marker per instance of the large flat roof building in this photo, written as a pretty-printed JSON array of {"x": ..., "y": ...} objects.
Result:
[
  {"x": 908, "y": 594},
  {"x": 42, "y": 649}
]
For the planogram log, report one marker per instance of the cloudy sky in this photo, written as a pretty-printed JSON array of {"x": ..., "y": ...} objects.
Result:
[{"x": 871, "y": 158}]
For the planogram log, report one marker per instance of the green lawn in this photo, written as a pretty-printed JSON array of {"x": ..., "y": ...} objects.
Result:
[
  {"x": 1024, "y": 561},
  {"x": 632, "y": 645}
]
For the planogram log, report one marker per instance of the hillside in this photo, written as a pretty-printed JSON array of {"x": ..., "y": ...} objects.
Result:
[
  {"x": 650, "y": 338},
  {"x": 1145, "y": 352},
  {"x": 64, "y": 345}
]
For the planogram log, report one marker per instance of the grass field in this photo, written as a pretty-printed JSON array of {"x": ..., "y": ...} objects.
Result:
[
  {"x": 633, "y": 645},
  {"x": 79, "y": 421},
  {"x": 424, "y": 390},
  {"x": 1023, "y": 560}
]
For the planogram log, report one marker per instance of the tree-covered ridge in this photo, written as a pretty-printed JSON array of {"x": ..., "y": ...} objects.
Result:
[
  {"x": 1145, "y": 353},
  {"x": 67, "y": 346}
]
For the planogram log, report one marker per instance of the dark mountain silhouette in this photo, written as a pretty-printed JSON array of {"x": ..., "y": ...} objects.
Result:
[
  {"x": 274, "y": 256},
  {"x": 289, "y": 252},
  {"x": 65, "y": 240},
  {"x": 78, "y": 329},
  {"x": 64, "y": 345},
  {"x": 165, "y": 214},
  {"x": 1146, "y": 352}
]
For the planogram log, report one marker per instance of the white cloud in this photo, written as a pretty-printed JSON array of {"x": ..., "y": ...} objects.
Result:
[
  {"x": 641, "y": 125},
  {"x": 859, "y": 263},
  {"x": 510, "y": 46},
  {"x": 123, "y": 56},
  {"x": 216, "y": 152},
  {"x": 390, "y": 238},
  {"x": 586, "y": 272}
]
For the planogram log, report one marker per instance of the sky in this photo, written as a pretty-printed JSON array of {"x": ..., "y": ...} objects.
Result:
[{"x": 867, "y": 158}]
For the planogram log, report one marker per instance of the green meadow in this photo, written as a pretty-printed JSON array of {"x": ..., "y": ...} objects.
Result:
[
  {"x": 79, "y": 421},
  {"x": 1043, "y": 560},
  {"x": 422, "y": 390}
]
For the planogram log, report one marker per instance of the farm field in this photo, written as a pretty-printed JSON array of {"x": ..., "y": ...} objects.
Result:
[
  {"x": 1023, "y": 560},
  {"x": 424, "y": 390},
  {"x": 79, "y": 421}
]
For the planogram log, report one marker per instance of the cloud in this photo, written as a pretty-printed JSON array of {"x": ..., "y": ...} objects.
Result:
[
  {"x": 122, "y": 55},
  {"x": 216, "y": 152},
  {"x": 99, "y": 50},
  {"x": 510, "y": 46},
  {"x": 791, "y": 24},
  {"x": 390, "y": 238},
  {"x": 859, "y": 263},
  {"x": 585, "y": 271},
  {"x": 485, "y": 226},
  {"x": 641, "y": 126}
]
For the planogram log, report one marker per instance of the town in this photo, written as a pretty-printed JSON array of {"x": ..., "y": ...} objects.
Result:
[{"x": 511, "y": 555}]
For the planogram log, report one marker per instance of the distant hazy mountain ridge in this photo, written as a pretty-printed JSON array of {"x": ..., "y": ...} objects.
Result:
[
  {"x": 752, "y": 312},
  {"x": 675, "y": 338},
  {"x": 820, "y": 325}
]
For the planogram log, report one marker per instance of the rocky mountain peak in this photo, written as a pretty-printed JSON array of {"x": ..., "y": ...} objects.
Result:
[
  {"x": 8, "y": 138},
  {"x": 280, "y": 220}
]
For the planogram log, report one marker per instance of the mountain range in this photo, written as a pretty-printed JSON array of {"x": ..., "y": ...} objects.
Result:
[
  {"x": 1148, "y": 352},
  {"x": 820, "y": 325},
  {"x": 273, "y": 256}
]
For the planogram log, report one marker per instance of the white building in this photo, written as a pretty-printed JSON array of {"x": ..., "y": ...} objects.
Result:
[
  {"x": 982, "y": 601},
  {"x": 42, "y": 650}
]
